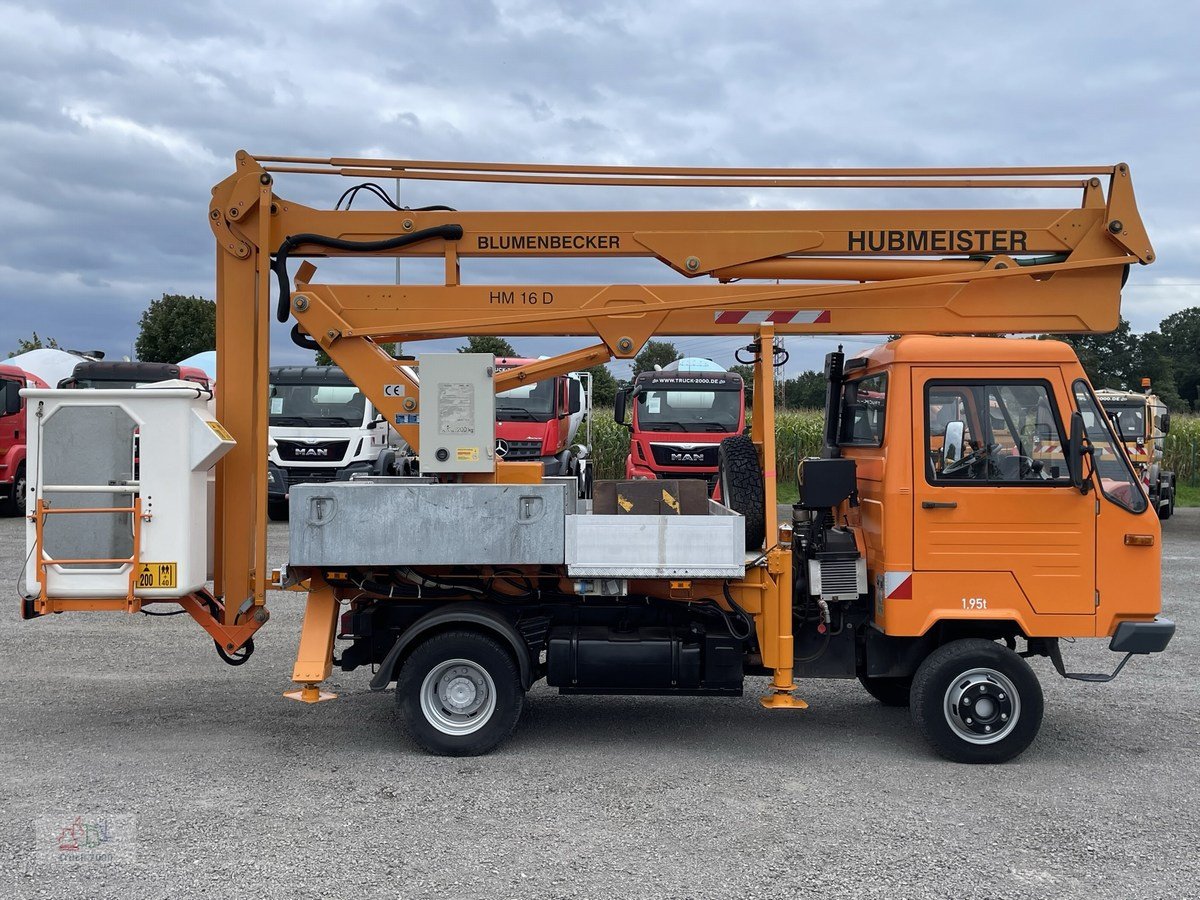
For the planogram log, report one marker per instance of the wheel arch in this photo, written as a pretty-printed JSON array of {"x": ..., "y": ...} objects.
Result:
[{"x": 468, "y": 616}]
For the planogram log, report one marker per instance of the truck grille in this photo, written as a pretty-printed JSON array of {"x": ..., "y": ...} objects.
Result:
[
  {"x": 298, "y": 451},
  {"x": 309, "y": 476},
  {"x": 523, "y": 450},
  {"x": 703, "y": 455}
]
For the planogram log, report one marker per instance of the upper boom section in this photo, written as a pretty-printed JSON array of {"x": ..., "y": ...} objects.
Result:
[{"x": 873, "y": 271}]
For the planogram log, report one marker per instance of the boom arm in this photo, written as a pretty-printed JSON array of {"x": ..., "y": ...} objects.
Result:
[{"x": 864, "y": 272}]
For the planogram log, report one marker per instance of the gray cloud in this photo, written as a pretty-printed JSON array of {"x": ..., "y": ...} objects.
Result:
[{"x": 116, "y": 119}]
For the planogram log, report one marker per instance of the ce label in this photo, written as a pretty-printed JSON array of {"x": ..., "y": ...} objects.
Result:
[{"x": 393, "y": 390}]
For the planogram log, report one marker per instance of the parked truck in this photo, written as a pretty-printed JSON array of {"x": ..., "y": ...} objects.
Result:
[
  {"x": 116, "y": 375},
  {"x": 680, "y": 415},
  {"x": 13, "y": 437},
  {"x": 1143, "y": 421},
  {"x": 540, "y": 421},
  {"x": 971, "y": 508},
  {"x": 323, "y": 429}
]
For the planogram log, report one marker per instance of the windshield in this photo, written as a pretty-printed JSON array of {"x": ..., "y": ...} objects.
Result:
[
  {"x": 715, "y": 411},
  {"x": 1129, "y": 418},
  {"x": 527, "y": 403},
  {"x": 1117, "y": 481},
  {"x": 316, "y": 406}
]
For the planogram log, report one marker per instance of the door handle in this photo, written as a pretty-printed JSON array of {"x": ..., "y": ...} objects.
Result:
[{"x": 935, "y": 504}]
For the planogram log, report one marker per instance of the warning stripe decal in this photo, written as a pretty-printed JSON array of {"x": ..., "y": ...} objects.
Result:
[
  {"x": 897, "y": 585},
  {"x": 775, "y": 317}
]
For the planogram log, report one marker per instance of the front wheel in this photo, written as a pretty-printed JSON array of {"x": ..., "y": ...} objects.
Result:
[
  {"x": 977, "y": 702},
  {"x": 460, "y": 694}
]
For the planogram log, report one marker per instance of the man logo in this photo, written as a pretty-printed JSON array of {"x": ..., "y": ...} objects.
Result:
[
  {"x": 502, "y": 448},
  {"x": 687, "y": 457},
  {"x": 312, "y": 451}
]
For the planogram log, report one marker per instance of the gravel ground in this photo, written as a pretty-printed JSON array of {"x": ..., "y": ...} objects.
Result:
[{"x": 236, "y": 791}]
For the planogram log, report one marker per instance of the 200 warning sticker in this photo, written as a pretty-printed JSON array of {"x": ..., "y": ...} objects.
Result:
[
  {"x": 156, "y": 575},
  {"x": 468, "y": 454}
]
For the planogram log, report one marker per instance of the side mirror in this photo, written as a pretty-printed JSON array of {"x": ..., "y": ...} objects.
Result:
[
  {"x": 376, "y": 422},
  {"x": 1076, "y": 451},
  {"x": 575, "y": 397},
  {"x": 619, "y": 403},
  {"x": 952, "y": 444},
  {"x": 12, "y": 398},
  {"x": 1164, "y": 423}
]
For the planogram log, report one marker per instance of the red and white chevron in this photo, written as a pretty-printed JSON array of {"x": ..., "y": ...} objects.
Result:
[{"x": 776, "y": 317}]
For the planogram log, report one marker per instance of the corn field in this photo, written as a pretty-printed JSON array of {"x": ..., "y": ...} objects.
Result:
[{"x": 798, "y": 434}]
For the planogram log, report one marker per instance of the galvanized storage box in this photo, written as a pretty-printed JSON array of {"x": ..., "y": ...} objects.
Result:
[{"x": 376, "y": 523}]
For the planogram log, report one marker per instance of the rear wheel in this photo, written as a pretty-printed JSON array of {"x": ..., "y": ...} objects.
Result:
[
  {"x": 15, "y": 504},
  {"x": 976, "y": 702},
  {"x": 888, "y": 691},
  {"x": 460, "y": 694},
  {"x": 742, "y": 486},
  {"x": 277, "y": 510},
  {"x": 1166, "y": 509}
]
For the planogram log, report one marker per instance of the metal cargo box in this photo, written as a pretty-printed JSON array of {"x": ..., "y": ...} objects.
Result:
[
  {"x": 404, "y": 523},
  {"x": 712, "y": 546}
]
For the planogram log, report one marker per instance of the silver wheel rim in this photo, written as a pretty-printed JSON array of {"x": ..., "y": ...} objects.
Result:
[
  {"x": 982, "y": 706},
  {"x": 458, "y": 697}
]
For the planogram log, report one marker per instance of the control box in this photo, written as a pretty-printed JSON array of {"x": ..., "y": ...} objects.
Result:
[{"x": 458, "y": 412}]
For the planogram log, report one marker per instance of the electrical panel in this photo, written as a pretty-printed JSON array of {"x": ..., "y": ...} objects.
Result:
[{"x": 458, "y": 412}]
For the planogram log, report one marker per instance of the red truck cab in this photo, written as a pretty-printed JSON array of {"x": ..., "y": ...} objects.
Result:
[
  {"x": 12, "y": 438},
  {"x": 538, "y": 422},
  {"x": 680, "y": 417}
]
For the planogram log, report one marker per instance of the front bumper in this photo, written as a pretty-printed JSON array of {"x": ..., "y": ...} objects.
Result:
[{"x": 1143, "y": 637}]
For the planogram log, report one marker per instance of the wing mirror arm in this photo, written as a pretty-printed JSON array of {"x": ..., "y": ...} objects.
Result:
[{"x": 1078, "y": 450}]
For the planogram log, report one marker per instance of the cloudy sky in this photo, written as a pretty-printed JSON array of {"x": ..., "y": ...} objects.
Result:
[{"x": 117, "y": 118}]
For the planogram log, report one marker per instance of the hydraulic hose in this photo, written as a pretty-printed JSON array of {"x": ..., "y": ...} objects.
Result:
[{"x": 290, "y": 243}]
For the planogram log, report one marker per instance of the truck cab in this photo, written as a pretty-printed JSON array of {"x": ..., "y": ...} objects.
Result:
[
  {"x": 12, "y": 438},
  {"x": 970, "y": 513},
  {"x": 323, "y": 429},
  {"x": 539, "y": 422},
  {"x": 1143, "y": 421},
  {"x": 681, "y": 414}
]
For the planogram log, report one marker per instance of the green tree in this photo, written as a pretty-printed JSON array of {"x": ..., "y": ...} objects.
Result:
[
  {"x": 805, "y": 391},
  {"x": 175, "y": 327},
  {"x": 24, "y": 345},
  {"x": 1107, "y": 358},
  {"x": 1179, "y": 341},
  {"x": 604, "y": 386},
  {"x": 392, "y": 348},
  {"x": 655, "y": 353},
  {"x": 497, "y": 346}
]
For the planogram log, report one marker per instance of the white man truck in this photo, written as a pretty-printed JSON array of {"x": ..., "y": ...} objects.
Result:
[{"x": 323, "y": 429}]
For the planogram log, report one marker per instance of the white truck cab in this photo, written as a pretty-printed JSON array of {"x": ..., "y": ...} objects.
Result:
[{"x": 322, "y": 429}]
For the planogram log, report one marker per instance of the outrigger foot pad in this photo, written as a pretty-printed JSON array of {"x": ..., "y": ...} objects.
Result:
[
  {"x": 310, "y": 693},
  {"x": 782, "y": 701}
]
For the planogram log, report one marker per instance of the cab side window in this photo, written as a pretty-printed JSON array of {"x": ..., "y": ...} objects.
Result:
[{"x": 996, "y": 433}]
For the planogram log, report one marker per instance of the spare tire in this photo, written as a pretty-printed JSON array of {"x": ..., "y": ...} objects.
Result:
[{"x": 742, "y": 486}]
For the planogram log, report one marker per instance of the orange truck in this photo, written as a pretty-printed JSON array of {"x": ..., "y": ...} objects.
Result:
[{"x": 971, "y": 508}]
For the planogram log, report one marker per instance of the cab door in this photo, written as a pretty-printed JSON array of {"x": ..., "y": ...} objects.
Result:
[{"x": 992, "y": 492}]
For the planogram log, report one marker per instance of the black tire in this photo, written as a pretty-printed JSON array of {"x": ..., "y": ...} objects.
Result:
[
  {"x": 487, "y": 675},
  {"x": 955, "y": 679},
  {"x": 1164, "y": 512},
  {"x": 888, "y": 691},
  {"x": 277, "y": 510},
  {"x": 14, "y": 504},
  {"x": 742, "y": 486}
]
